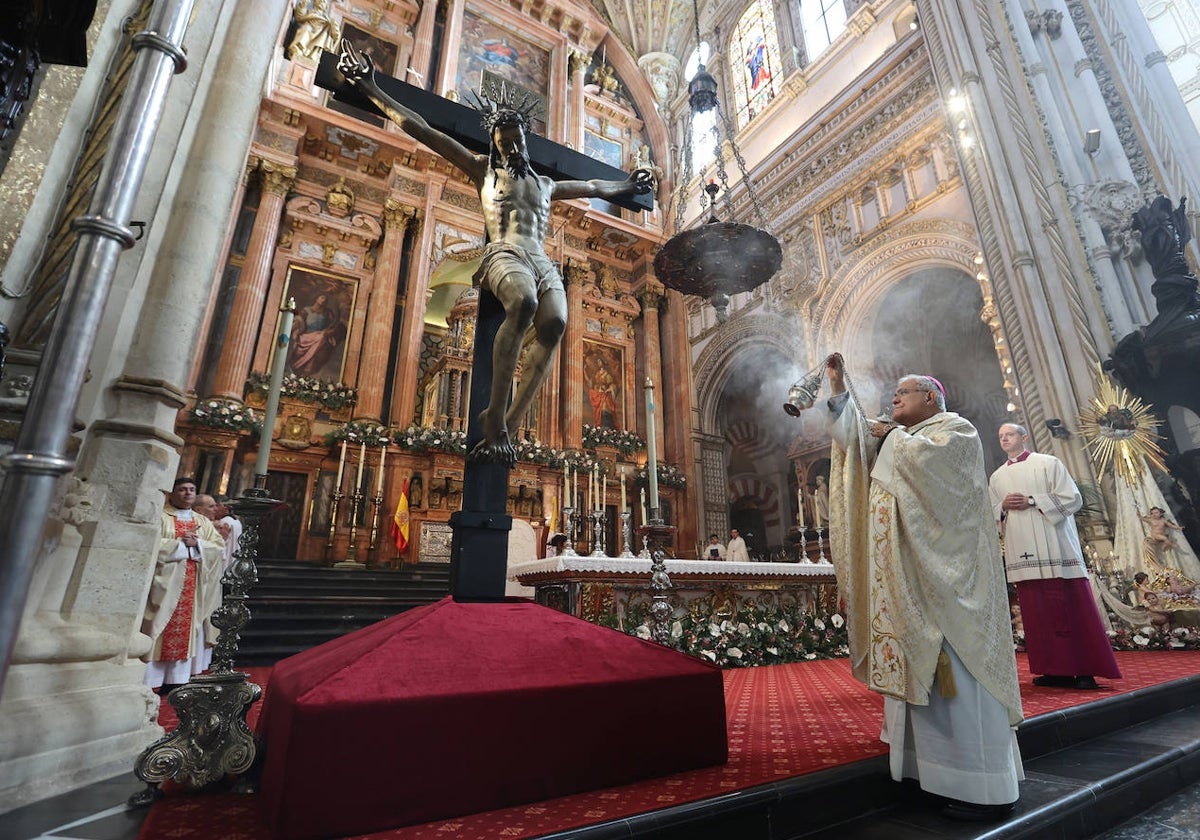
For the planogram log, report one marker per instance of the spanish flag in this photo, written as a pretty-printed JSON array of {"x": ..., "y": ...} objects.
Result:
[{"x": 400, "y": 521}]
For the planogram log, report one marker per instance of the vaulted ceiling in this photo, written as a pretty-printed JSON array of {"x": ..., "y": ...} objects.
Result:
[{"x": 650, "y": 26}]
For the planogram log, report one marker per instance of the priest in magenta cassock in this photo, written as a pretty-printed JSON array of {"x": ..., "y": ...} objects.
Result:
[
  {"x": 1034, "y": 502},
  {"x": 918, "y": 565}
]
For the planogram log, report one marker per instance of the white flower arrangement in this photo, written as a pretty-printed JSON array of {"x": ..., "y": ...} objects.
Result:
[{"x": 218, "y": 413}]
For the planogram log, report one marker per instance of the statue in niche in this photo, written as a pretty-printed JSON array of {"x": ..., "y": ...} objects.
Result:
[{"x": 316, "y": 30}]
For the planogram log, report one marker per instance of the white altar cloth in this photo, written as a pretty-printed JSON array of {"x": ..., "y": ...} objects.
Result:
[{"x": 638, "y": 566}]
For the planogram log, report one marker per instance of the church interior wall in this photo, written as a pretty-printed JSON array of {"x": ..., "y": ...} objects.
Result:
[{"x": 863, "y": 175}]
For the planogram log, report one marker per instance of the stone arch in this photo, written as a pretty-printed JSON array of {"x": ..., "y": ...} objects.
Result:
[{"x": 741, "y": 337}]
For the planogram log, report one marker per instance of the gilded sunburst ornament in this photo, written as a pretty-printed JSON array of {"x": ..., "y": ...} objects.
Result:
[{"x": 1121, "y": 431}]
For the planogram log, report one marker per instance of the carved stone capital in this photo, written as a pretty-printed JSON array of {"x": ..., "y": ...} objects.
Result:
[
  {"x": 397, "y": 215},
  {"x": 276, "y": 178},
  {"x": 651, "y": 296},
  {"x": 579, "y": 59}
]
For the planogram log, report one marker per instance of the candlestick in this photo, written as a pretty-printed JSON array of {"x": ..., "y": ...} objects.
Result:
[
  {"x": 341, "y": 466},
  {"x": 286, "y": 314},
  {"x": 575, "y": 489},
  {"x": 567, "y": 486},
  {"x": 651, "y": 446},
  {"x": 623, "y": 505},
  {"x": 588, "y": 501},
  {"x": 603, "y": 493},
  {"x": 382, "y": 458},
  {"x": 800, "y": 502},
  {"x": 362, "y": 458},
  {"x": 644, "y": 517}
]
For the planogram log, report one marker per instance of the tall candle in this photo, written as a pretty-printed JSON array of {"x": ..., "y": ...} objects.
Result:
[
  {"x": 575, "y": 489},
  {"x": 603, "y": 493},
  {"x": 800, "y": 501},
  {"x": 567, "y": 486},
  {"x": 644, "y": 518},
  {"x": 341, "y": 466},
  {"x": 816, "y": 510},
  {"x": 286, "y": 315},
  {"x": 651, "y": 446},
  {"x": 622, "y": 489},
  {"x": 362, "y": 458},
  {"x": 382, "y": 458}
]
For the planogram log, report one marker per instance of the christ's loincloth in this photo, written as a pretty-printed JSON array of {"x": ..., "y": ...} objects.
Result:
[{"x": 501, "y": 259}]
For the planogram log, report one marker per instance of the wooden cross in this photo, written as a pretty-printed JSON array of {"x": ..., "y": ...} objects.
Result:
[{"x": 479, "y": 545}]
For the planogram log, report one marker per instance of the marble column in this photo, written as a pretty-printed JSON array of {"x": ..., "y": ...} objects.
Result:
[
  {"x": 381, "y": 313},
  {"x": 451, "y": 37},
  {"x": 246, "y": 315},
  {"x": 412, "y": 325},
  {"x": 74, "y": 709},
  {"x": 423, "y": 44},
  {"x": 571, "y": 352},
  {"x": 578, "y": 63}
]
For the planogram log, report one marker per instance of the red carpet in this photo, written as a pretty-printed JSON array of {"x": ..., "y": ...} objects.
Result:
[{"x": 783, "y": 721}]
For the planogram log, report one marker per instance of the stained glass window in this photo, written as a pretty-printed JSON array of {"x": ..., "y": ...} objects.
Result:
[
  {"x": 823, "y": 21},
  {"x": 754, "y": 65}
]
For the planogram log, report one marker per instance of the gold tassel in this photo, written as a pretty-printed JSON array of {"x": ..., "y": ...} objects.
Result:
[{"x": 945, "y": 676}]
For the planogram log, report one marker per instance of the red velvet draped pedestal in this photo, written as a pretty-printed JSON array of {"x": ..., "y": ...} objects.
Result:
[{"x": 457, "y": 708}]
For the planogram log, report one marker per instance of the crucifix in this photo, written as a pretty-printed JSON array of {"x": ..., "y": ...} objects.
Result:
[
  {"x": 520, "y": 287},
  {"x": 1026, "y": 556}
]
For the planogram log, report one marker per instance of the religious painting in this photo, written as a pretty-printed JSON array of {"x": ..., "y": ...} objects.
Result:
[
  {"x": 322, "y": 501},
  {"x": 324, "y": 304},
  {"x": 382, "y": 53},
  {"x": 605, "y": 151},
  {"x": 603, "y": 380},
  {"x": 487, "y": 48}
]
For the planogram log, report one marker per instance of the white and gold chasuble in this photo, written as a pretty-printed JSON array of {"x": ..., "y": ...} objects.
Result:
[{"x": 918, "y": 559}]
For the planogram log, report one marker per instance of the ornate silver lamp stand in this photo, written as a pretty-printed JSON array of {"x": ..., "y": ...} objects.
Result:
[
  {"x": 656, "y": 536},
  {"x": 351, "y": 561},
  {"x": 333, "y": 518},
  {"x": 213, "y": 740},
  {"x": 820, "y": 547}
]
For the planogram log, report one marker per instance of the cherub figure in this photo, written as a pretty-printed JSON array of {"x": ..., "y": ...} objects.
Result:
[{"x": 1159, "y": 537}]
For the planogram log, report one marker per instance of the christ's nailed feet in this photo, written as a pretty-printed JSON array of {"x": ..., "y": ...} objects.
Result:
[{"x": 500, "y": 451}]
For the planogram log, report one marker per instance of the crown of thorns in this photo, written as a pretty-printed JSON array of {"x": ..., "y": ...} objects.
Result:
[{"x": 512, "y": 107}]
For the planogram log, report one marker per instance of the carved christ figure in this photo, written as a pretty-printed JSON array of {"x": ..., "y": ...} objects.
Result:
[{"x": 515, "y": 268}]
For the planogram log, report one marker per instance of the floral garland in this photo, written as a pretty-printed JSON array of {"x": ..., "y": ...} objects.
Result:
[
  {"x": 755, "y": 636},
  {"x": 1140, "y": 638},
  {"x": 332, "y": 395},
  {"x": 625, "y": 442},
  {"x": 356, "y": 431},
  {"x": 218, "y": 413},
  {"x": 422, "y": 439},
  {"x": 669, "y": 475}
]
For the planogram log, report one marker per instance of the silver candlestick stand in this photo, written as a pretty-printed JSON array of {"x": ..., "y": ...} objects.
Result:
[
  {"x": 820, "y": 547},
  {"x": 804, "y": 546},
  {"x": 597, "y": 534},
  {"x": 569, "y": 521},
  {"x": 626, "y": 534},
  {"x": 213, "y": 740}
]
